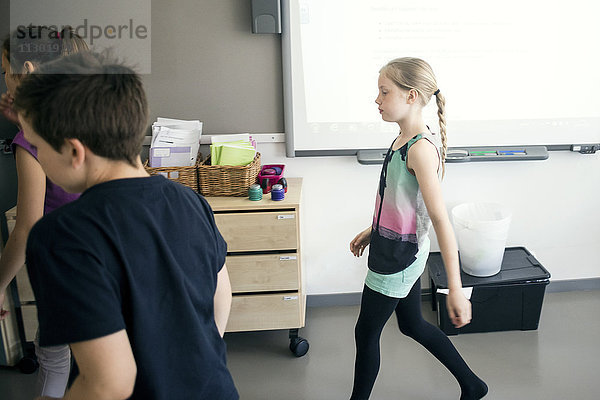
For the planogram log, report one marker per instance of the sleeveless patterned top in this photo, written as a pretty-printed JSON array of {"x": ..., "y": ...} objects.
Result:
[{"x": 400, "y": 221}]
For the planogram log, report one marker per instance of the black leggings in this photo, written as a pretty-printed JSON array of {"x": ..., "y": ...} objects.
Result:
[{"x": 375, "y": 310}]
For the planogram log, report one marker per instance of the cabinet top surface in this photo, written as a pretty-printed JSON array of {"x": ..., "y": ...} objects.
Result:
[{"x": 291, "y": 200}]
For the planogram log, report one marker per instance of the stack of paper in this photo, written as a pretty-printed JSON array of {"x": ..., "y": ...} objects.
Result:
[
  {"x": 232, "y": 149},
  {"x": 175, "y": 142}
]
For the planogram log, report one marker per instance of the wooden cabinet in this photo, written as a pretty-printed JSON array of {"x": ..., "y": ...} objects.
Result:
[
  {"x": 28, "y": 308},
  {"x": 11, "y": 346},
  {"x": 263, "y": 260}
]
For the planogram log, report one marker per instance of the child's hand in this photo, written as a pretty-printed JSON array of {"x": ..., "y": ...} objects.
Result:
[
  {"x": 360, "y": 242},
  {"x": 6, "y": 108},
  {"x": 459, "y": 308}
]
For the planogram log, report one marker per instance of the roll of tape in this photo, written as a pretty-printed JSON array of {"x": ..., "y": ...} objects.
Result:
[
  {"x": 255, "y": 192},
  {"x": 277, "y": 192}
]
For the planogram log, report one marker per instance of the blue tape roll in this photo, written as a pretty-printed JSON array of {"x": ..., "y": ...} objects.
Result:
[{"x": 277, "y": 193}]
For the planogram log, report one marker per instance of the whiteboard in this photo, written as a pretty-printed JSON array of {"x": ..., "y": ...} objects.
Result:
[{"x": 517, "y": 72}]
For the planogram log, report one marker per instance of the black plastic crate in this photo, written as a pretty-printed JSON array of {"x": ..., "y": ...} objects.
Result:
[{"x": 510, "y": 300}]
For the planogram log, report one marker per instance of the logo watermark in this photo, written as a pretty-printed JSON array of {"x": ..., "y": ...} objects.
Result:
[
  {"x": 124, "y": 27},
  {"x": 88, "y": 32}
]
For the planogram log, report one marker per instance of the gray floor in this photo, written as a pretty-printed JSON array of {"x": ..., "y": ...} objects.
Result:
[{"x": 558, "y": 361}]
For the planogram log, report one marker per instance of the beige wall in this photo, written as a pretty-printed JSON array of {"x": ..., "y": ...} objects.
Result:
[{"x": 207, "y": 65}]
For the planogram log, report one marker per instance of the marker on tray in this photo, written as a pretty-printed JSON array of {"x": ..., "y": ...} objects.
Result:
[{"x": 483, "y": 153}]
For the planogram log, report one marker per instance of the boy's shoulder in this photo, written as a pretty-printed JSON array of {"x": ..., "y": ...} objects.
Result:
[
  {"x": 135, "y": 187},
  {"x": 120, "y": 205}
]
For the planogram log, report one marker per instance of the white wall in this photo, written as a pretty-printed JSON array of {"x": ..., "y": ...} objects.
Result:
[{"x": 554, "y": 203}]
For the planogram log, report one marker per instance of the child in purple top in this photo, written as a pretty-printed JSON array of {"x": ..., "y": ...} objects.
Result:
[
  {"x": 37, "y": 195},
  {"x": 55, "y": 195}
]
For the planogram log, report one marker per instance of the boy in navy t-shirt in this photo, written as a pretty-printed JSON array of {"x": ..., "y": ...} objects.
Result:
[{"x": 132, "y": 274}]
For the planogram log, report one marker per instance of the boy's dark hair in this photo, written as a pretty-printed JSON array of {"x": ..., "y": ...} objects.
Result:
[{"x": 89, "y": 97}]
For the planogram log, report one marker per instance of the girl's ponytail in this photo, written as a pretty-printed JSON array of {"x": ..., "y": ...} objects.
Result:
[
  {"x": 441, "y": 105},
  {"x": 70, "y": 41}
]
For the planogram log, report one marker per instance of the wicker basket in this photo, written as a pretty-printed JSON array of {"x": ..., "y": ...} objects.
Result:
[
  {"x": 226, "y": 180},
  {"x": 187, "y": 176}
]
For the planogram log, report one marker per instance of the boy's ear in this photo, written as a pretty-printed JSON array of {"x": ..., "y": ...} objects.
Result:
[
  {"x": 29, "y": 67},
  {"x": 77, "y": 152}
]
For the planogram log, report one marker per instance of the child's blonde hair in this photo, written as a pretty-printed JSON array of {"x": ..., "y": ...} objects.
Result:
[{"x": 414, "y": 73}]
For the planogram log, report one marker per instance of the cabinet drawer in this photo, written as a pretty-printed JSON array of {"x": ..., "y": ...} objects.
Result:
[
  {"x": 30, "y": 322},
  {"x": 268, "y": 311},
  {"x": 263, "y": 273},
  {"x": 10, "y": 224},
  {"x": 254, "y": 231},
  {"x": 11, "y": 219},
  {"x": 24, "y": 286},
  {"x": 10, "y": 345}
]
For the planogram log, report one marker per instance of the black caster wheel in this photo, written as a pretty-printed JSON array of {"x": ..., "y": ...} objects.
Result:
[
  {"x": 28, "y": 365},
  {"x": 299, "y": 346}
]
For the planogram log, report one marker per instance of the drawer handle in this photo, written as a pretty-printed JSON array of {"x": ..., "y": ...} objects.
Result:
[
  {"x": 286, "y": 298},
  {"x": 286, "y": 216},
  {"x": 287, "y": 258}
]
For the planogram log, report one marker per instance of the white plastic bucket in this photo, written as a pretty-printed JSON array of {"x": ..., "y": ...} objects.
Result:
[{"x": 481, "y": 231}]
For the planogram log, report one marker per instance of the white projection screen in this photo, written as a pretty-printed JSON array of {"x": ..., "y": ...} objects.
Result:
[{"x": 516, "y": 72}]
